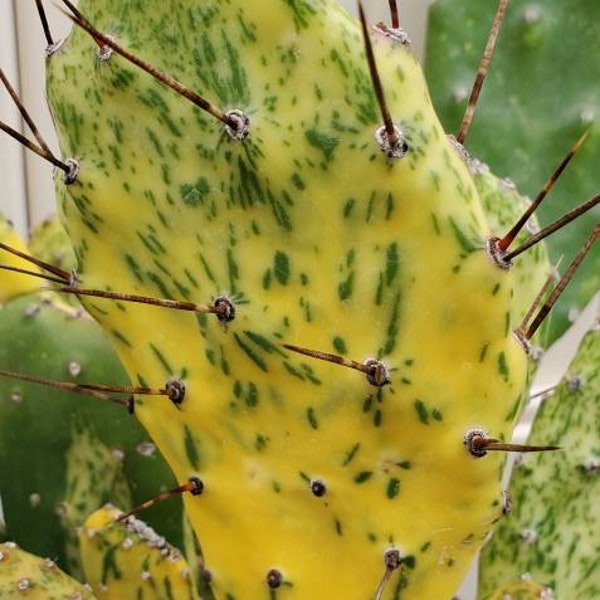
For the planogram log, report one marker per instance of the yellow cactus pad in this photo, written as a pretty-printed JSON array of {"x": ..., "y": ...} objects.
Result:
[
  {"x": 13, "y": 283},
  {"x": 129, "y": 560},
  {"x": 318, "y": 483},
  {"x": 24, "y": 575}
]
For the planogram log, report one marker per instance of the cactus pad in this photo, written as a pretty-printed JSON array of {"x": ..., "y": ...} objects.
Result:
[
  {"x": 319, "y": 241},
  {"x": 24, "y": 575},
  {"x": 92, "y": 451},
  {"x": 14, "y": 284},
  {"x": 129, "y": 560},
  {"x": 553, "y": 533}
]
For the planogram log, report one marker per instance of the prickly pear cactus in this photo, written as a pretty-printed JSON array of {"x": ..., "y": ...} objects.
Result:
[
  {"x": 128, "y": 559},
  {"x": 535, "y": 102},
  {"x": 314, "y": 239},
  {"x": 503, "y": 206},
  {"x": 24, "y": 575},
  {"x": 92, "y": 451},
  {"x": 525, "y": 588},
  {"x": 14, "y": 283},
  {"x": 553, "y": 534},
  {"x": 49, "y": 242}
]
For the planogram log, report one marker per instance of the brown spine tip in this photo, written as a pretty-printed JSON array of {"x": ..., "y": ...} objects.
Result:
[
  {"x": 504, "y": 242},
  {"x": 499, "y": 255},
  {"x": 376, "y": 371},
  {"x": 482, "y": 72},
  {"x": 478, "y": 444},
  {"x": 61, "y": 275},
  {"x": 194, "y": 486},
  {"x": 102, "y": 392},
  {"x": 44, "y": 22},
  {"x": 47, "y": 156},
  {"x": 224, "y": 313},
  {"x": 555, "y": 226},
  {"x": 519, "y": 332},
  {"x": 545, "y": 309},
  {"x": 394, "y": 14},
  {"x": 41, "y": 148}
]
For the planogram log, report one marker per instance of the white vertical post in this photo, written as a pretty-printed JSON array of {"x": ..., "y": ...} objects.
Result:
[
  {"x": 12, "y": 173},
  {"x": 31, "y": 45}
]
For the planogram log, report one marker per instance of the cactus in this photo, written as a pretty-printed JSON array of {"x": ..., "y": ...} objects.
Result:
[
  {"x": 127, "y": 559},
  {"x": 524, "y": 588},
  {"x": 14, "y": 283},
  {"x": 552, "y": 533},
  {"x": 503, "y": 205},
  {"x": 270, "y": 224},
  {"x": 49, "y": 242},
  {"x": 24, "y": 575},
  {"x": 322, "y": 346},
  {"x": 528, "y": 114},
  {"x": 93, "y": 451}
]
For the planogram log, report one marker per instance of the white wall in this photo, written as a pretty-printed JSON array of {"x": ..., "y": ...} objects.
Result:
[{"x": 26, "y": 190}]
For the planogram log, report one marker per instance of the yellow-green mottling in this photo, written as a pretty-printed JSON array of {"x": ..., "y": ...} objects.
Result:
[
  {"x": 553, "y": 532},
  {"x": 127, "y": 559},
  {"x": 25, "y": 575},
  {"x": 316, "y": 236}
]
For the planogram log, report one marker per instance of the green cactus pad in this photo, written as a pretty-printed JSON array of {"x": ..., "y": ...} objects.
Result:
[
  {"x": 536, "y": 101},
  {"x": 320, "y": 241},
  {"x": 24, "y": 575},
  {"x": 63, "y": 454},
  {"x": 129, "y": 560},
  {"x": 553, "y": 532}
]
